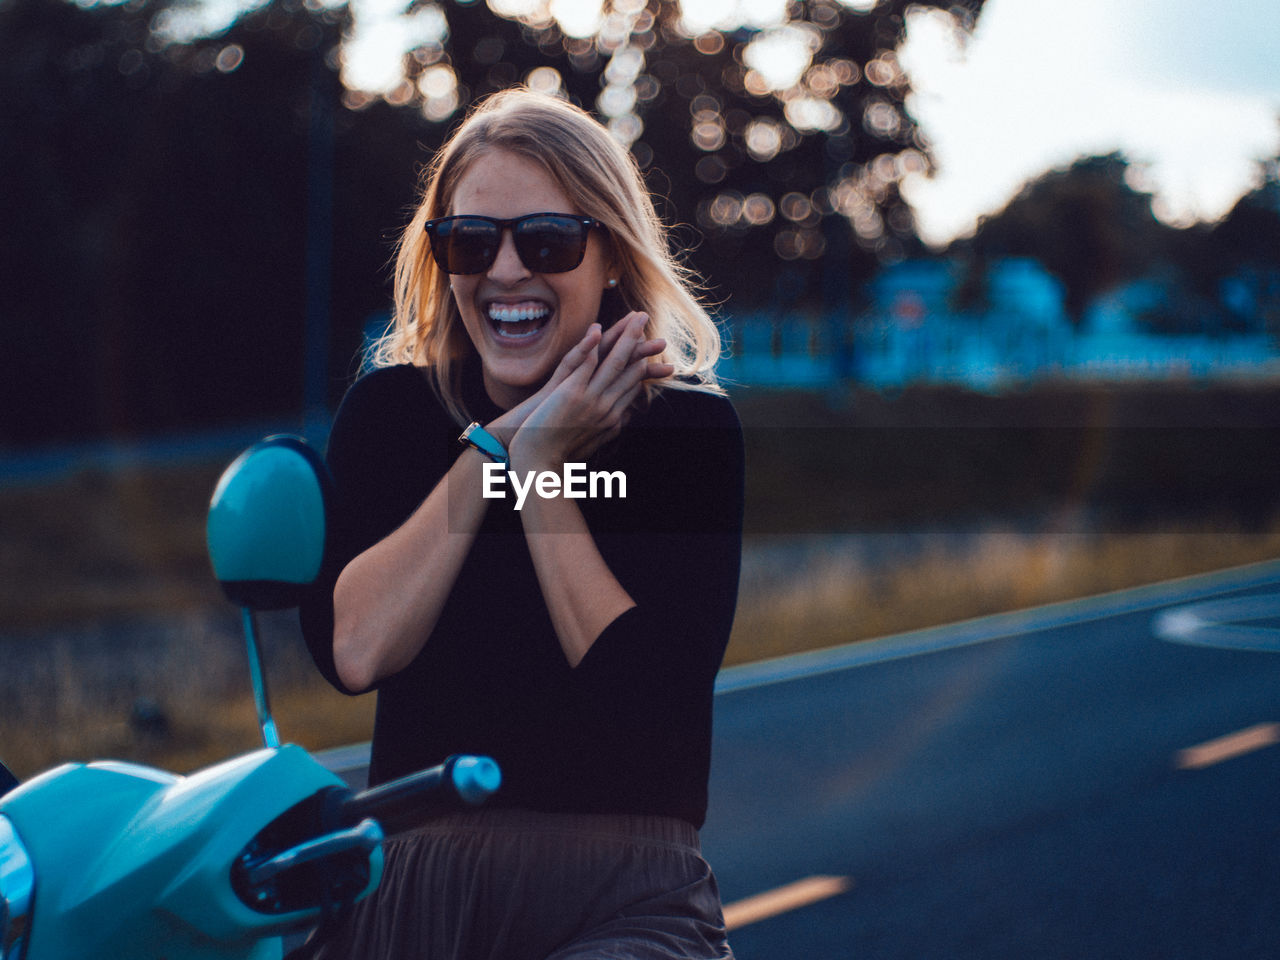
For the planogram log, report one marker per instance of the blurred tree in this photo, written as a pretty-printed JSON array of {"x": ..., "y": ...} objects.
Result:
[
  {"x": 779, "y": 148},
  {"x": 162, "y": 195},
  {"x": 1087, "y": 224},
  {"x": 1091, "y": 226},
  {"x": 155, "y": 185},
  {"x": 1243, "y": 253},
  {"x": 159, "y": 197},
  {"x": 1250, "y": 232}
]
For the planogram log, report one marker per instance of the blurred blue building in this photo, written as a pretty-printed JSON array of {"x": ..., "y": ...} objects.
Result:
[{"x": 913, "y": 331}]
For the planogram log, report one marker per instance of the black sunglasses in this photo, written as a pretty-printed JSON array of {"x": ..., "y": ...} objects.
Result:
[{"x": 545, "y": 242}]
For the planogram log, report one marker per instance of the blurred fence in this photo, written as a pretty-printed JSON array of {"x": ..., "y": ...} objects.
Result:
[{"x": 981, "y": 353}]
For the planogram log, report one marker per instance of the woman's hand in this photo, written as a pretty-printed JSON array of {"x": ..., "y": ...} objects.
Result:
[
  {"x": 587, "y": 400},
  {"x": 588, "y": 404}
]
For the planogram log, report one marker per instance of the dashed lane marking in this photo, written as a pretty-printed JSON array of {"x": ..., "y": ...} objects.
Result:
[
  {"x": 1228, "y": 747},
  {"x": 793, "y": 896}
]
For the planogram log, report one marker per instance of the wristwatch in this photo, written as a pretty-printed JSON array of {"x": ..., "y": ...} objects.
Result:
[{"x": 484, "y": 441}]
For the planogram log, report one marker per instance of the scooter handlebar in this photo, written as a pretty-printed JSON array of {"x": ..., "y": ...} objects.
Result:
[
  {"x": 399, "y": 804},
  {"x": 319, "y": 852},
  {"x": 363, "y": 838}
]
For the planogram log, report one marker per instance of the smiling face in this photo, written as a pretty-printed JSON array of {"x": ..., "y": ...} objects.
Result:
[{"x": 522, "y": 323}]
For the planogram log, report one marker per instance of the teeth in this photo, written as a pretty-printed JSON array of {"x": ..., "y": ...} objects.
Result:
[{"x": 517, "y": 313}]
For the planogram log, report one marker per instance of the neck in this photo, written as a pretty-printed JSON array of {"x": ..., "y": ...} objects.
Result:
[{"x": 505, "y": 396}]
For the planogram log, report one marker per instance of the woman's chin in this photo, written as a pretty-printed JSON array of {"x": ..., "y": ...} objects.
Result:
[{"x": 510, "y": 380}]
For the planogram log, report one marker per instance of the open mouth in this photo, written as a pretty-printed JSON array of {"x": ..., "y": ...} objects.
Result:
[{"x": 518, "y": 321}]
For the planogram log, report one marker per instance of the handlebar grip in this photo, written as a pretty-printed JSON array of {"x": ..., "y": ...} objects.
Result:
[{"x": 459, "y": 781}]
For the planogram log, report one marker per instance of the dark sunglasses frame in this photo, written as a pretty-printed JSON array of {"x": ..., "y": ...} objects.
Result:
[{"x": 526, "y": 243}]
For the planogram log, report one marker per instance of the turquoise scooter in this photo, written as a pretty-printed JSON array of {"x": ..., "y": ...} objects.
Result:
[{"x": 121, "y": 861}]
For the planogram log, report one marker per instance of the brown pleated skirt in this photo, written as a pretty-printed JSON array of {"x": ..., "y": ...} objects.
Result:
[{"x": 518, "y": 885}]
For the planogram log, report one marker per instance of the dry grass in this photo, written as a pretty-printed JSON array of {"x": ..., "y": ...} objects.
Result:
[
  {"x": 103, "y": 544},
  {"x": 835, "y": 593},
  {"x": 69, "y": 696},
  {"x": 200, "y": 732}
]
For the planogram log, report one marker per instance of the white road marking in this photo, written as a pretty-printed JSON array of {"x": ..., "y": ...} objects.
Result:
[
  {"x": 1228, "y": 747},
  {"x": 1223, "y": 623},
  {"x": 999, "y": 626},
  {"x": 793, "y": 896}
]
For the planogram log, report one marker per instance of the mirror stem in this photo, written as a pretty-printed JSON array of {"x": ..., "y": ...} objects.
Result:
[{"x": 258, "y": 676}]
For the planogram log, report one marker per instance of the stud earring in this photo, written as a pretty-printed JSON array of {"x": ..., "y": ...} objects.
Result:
[{"x": 613, "y": 282}]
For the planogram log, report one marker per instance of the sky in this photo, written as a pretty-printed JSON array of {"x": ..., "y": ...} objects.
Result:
[{"x": 1188, "y": 90}]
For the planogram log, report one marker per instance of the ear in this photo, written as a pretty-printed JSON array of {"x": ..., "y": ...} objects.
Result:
[{"x": 613, "y": 266}]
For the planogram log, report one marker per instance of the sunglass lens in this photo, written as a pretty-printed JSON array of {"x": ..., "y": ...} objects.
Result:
[
  {"x": 464, "y": 245},
  {"x": 551, "y": 244}
]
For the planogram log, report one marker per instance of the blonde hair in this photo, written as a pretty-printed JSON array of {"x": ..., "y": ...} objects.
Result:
[{"x": 600, "y": 177}]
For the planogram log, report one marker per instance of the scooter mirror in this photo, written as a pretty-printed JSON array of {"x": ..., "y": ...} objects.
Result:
[{"x": 267, "y": 523}]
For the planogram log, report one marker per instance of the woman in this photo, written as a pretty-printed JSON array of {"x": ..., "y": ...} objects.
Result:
[{"x": 575, "y": 639}]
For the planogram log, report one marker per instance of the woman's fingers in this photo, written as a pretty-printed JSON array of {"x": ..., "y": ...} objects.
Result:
[
  {"x": 571, "y": 361},
  {"x": 617, "y": 382},
  {"x": 623, "y": 352},
  {"x": 579, "y": 352},
  {"x": 588, "y": 396},
  {"x": 616, "y": 330},
  {"x": 658, "y": 371}
]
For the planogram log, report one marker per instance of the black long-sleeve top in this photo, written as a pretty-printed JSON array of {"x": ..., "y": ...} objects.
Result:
[{"x": 629, "y": 729}]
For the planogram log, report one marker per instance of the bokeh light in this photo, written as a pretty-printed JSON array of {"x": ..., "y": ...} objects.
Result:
[
  {"x": 758, "y": 209},
  {"x": 624, "y": 66},
  {"x": 545, "y": 80},
  {"x": 882, "y": 119},
  {"x": 797, "y": 207},
  {"x": 726, "y": 208},
  {"x": 810, "y": 114},
  {"x": 536, "y": 13},
  {"x": 627, "y": 129},
  {"x": 438, "y": 85},
  {"x": 884, "y": 71},
  {"x": 782, "y": 55},
  {"x": 229, "y": 58},
  {"x": 708, "y": 134},
  {"x": 615, "y": 100},
  {"x": 796, "y": 243},
  {"x": 377, "y": 30},
  {"x": 709, "y": 43},
  {"x": 700, "y": 17},
  {"x": 711, "y": 169},
  {"x": 763, "y": 139},
  {"x": 577, "y": 18}
]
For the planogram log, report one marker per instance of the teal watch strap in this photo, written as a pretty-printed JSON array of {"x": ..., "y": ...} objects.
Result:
[{"x": 480, "y": 438}]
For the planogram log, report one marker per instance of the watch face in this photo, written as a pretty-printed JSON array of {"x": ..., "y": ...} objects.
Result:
[{"x": 476, "y": 436}]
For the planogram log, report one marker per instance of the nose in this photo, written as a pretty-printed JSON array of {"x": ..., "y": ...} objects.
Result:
[{"x": 507, "y": 266}]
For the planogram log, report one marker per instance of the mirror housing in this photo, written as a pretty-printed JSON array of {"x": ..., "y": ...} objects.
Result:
[{"x": 268, "y": 523}]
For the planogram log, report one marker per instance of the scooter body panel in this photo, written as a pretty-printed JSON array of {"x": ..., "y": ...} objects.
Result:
[{"x": 143, "y": 870}]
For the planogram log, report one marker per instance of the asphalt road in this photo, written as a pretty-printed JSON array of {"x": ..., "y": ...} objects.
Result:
[
  {"x": 1029, "y": 785},
  {"x": 1013, "y": 787}
]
